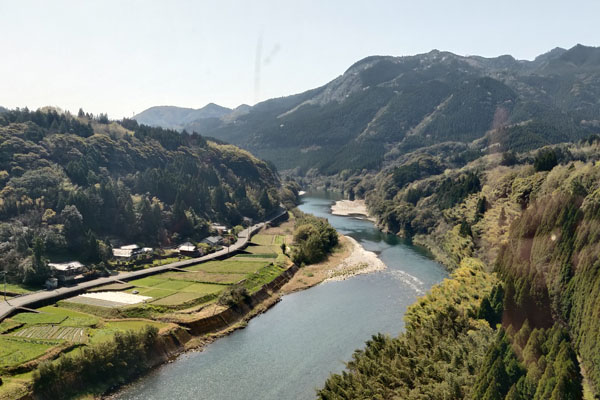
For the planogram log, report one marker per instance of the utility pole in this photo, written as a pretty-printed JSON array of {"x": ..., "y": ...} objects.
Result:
[{"x": 4, "y": 272}]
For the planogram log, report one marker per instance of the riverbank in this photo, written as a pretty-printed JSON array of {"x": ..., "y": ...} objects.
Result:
[
  {"x": 349, "y": 259},
  {"x": 360, "y": 261},
  {"x": 349, "y": 208}
]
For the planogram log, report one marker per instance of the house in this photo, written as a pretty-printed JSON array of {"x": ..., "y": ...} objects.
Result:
[
  {"x": 122, "y": 253},
  {"x": 68, "y": 271},
  {"x": 213, "y": 240},
  {"x": 133, "y": 247},
  {"x": 130, "y": 250},
  {"x": 188, "y": 249},
  {"x": 220, "y": 229}
]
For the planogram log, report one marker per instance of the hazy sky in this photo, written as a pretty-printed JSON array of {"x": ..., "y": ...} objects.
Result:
[{"x": 121, "y": 57}]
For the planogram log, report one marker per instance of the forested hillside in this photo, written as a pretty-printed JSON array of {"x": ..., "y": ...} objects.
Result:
[
  {"x": 74, "y": 186},
  {"x": 383, "y": 107},
  {"x": 531, "y": 220}
]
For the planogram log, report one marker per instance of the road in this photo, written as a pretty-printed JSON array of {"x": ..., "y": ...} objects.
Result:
[{"x": 7, "y": 308}]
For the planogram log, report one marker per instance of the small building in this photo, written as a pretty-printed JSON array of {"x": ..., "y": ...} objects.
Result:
[
  {"x": 68, "y": 271},
  {"x": 130, "y": 250},
  {"x": 188, "y": 249},
  {"x": 213, "y": 240},
  {"x": 220, "y": 229},
  {"x": 132, "y": 247},
  {"x": 122, "y": 253}
]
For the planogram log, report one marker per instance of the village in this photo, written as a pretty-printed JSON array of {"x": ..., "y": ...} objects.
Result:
[
  {"x": 133, "y": 256},
  {"x": 200, "y": 292}
]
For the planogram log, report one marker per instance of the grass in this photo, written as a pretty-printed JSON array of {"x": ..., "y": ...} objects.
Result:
[
  {"x": 154, "y": 293},
  {"x": 109, "y": 329},
  {"x": 14, "y": 388},
  {"x": 177, "y": 299},
  {"x": 268, "y": 256},
  {"x": 206, "y": 277},
  {"x": 17, "y": 289},
  {"x": 203, "y": 288},
  {"x": 171, "y": 284},
  {"x": 73, "y": 318},
  {"x": 265, "y": 251},
  {"x": 262, "y": 239},
  {"x": 168, "y": 260},
  {"x": 112, "y": 287},
  {"x": 33, "y": 334},
  {"x": 30, "y": 318},
  {"x": 231, "y": 265},
  {"x": 9, "y": 324},
  {"x": 15, "y": 351},
  {"x": 262, "y": 277},
  {"x": 148, "y": 281}
]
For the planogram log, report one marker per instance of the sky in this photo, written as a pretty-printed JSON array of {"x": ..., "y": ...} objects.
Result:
[{"x": 121, "y": 57}]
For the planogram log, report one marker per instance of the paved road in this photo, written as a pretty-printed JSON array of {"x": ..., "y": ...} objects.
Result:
[{"x": 7, "y": 308}]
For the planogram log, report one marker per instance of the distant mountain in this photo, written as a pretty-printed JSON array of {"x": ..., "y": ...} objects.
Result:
[
  {"x": 382, "y": 107},
  {"x": 172, "y": 117}
]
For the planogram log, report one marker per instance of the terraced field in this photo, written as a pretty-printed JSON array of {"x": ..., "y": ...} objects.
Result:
[
  {"x": 206, "y": 277},
  {"x": 28, "y": 336},
  {"x": 9, "y": 324},
  {"x": 233, "y": 265},
  {"x": 69, "y": 333},
  {"x": 15, "y": 351}
]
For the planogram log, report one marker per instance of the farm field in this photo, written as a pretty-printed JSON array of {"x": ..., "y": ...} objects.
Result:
[
  {"x": 109, "y": 328},
  {"x": 15, "y": 351},
  {"x": 232, "y": 265},
  {"x": 80, "y": 321}
]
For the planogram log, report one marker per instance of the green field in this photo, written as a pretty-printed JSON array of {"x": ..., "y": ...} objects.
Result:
[
  {"x": 148, "y": 281},
  {"x": 231, "y": 265},
  {"x": 206, "y": 277},
  {"x": 8, "y": 324},
  {"x": 267, "y": 240},
  {"x": 17, "y": 289},
  {"x": 264, "y": 251},
  {"x": 171, "y": 284},
  {"x": 57, "y": 332},
  {"x": 74, "y": 318},
  {"x": 262, "y": 277},
  {"x": 15, "y": 351},
  {"x": 107, "y": 331},
  {"x": 28, "y": 335},
  {"x": 178, "y": 298},
  {"x": 30, "y": 318}
]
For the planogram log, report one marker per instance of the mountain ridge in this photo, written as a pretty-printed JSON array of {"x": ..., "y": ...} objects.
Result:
[{"x": 361, "y": 118}]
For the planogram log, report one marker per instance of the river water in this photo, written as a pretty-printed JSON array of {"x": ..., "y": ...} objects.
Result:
[{"x": 289, "y": 351}]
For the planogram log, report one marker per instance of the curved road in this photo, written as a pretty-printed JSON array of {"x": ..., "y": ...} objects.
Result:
[{"x": 7, "y": 308}]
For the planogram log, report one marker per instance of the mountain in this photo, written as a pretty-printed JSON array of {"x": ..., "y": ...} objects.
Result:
[
  {"x": 384, "y": 106},
  {"x": 518, "y": 317},
  {"x": 171, "y": 117},
  {"x": 78, "y": 184}
]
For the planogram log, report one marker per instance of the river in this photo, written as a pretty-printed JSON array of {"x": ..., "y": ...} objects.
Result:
[{"x": 289, "y": 351}]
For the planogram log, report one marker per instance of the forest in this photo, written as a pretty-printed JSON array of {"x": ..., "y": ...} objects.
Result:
[
  {"x": 74, "y": 186},
  {"x": 529, "y": 222}
]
